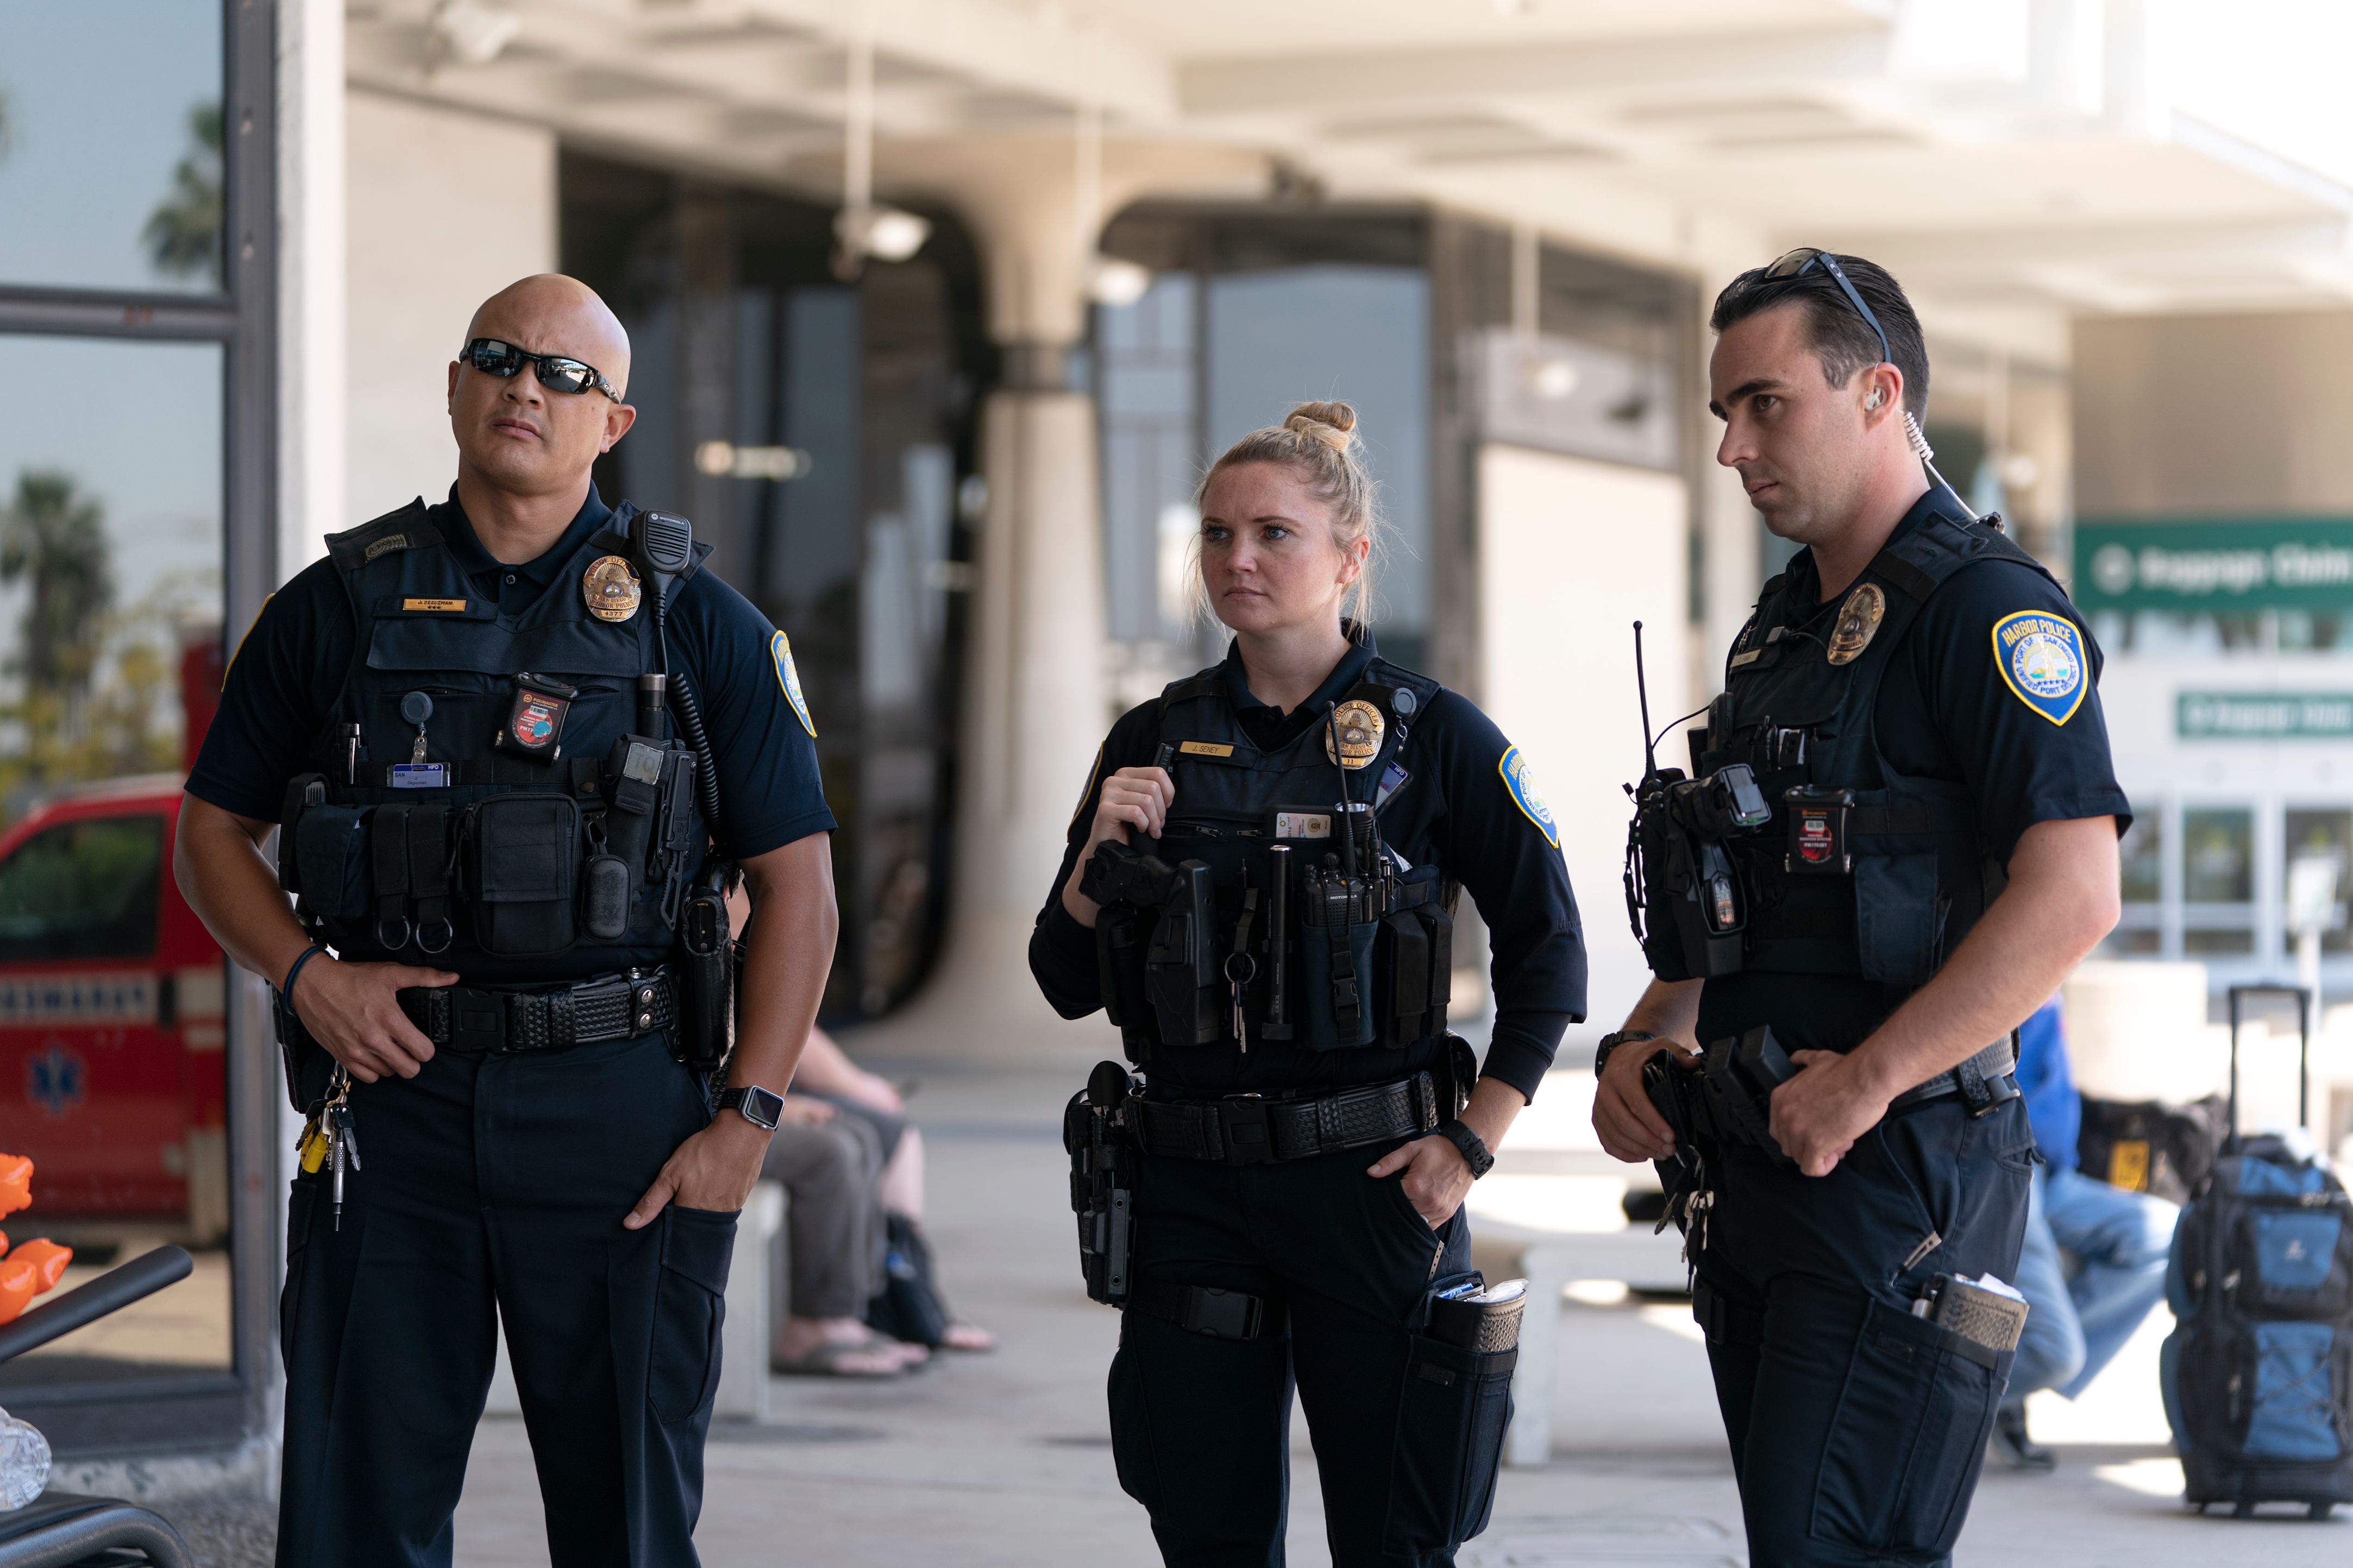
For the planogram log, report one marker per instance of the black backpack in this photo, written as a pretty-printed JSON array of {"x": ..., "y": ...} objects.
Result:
[
  {"x": 2165, "y": 1150},
  {"x": 2259, "y": 1375}
]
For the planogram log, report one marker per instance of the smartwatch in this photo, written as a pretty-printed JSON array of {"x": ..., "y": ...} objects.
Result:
[
  {"x": 1612, "y": 1042},
  {"x": 1474, "y": 1151},
  {"x": 760, "y": 1107}
]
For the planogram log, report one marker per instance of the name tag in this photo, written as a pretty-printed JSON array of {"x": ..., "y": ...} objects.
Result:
[
  {"x": 420, "y": 775},
  {"x": 1205, "y": 749},
  {"x": 454, "y": 606}
]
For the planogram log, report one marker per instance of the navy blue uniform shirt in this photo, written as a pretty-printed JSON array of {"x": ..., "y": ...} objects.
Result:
[
  {"x": 1945, "y": 712},
  {"x": 1454, "y": 811},
  {"x": 287, "y": 672}
]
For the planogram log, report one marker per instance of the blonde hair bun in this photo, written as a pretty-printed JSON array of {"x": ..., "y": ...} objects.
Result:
[{"x": 1333, "y": 424}]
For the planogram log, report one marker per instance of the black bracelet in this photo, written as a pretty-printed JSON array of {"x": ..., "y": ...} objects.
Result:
[
  {"x": 1612, "y": 1042},
  {"x": 1473, "y": 1147},
  {"x": 285, "y": 992}
]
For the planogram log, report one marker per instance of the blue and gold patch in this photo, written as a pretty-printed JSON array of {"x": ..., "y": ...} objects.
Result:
[
  {"x": 780, "y": 649},
  {"x": 1515, "y": 769},
  {"x": 2040, "y": 658}
]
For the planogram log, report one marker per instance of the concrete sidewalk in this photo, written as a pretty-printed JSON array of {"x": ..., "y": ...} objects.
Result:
[{"x": 1005, "y": 1460}]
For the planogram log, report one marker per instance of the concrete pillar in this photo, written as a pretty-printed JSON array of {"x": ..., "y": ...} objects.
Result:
[
  {"x": 1036, "y": 699},
  {"x": 310, "y": 279}
]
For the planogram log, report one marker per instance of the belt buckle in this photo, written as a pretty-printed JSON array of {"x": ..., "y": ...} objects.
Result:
[
  {"x": 1244, "y": 1129},
  {"x": 478, "y": 1020},
  {"x": 1221, "y": 1314}
]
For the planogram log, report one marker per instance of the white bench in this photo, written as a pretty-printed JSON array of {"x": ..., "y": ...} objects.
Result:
[
  {"x": 743, "y": 1338},
  {"x": 1644, "y": 1261}
]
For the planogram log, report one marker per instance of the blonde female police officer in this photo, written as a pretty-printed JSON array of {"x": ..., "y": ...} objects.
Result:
[{"x": 1278, "y": 967}]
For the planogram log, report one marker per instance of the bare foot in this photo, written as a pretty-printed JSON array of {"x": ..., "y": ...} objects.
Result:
[{"x": 967, "y": 1337}]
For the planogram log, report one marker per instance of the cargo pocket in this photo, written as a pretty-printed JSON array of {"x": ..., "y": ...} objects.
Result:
[
  {"x": 1450, "y": 1447},
  {"x": 690, "y": 1305},
  {"x": 1909, "y": 1436},
  {"x": 1320, "y": 1027},
  {"x": 1131, "y": 1429},
  {"x": 526, "y": 849},
  {"x": 1899, "y": 917},
  {"x": 331, "y": 861},
  {"x": 298, "y": 1204}
]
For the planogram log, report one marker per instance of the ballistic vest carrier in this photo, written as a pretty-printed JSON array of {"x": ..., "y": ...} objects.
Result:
[
  {"x": 1268, "y": 916},
  {"x": 523, "y": 832},
  {"x": 1861, "y": 869}
]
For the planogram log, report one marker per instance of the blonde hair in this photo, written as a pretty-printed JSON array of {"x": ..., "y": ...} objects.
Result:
[{"x": 1317, "y": 442}]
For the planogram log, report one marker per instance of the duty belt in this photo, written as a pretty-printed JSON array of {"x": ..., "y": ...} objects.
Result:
[
  {"x": 1249, "y": 1130},
  {"x": 472, "y": 1019},
  {"x": 1984, "y": 1080}
]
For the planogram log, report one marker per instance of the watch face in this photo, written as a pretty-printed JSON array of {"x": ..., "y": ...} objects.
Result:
[{"x": 761, "y": 1107}]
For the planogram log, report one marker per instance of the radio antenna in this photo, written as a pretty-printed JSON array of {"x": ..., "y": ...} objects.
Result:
[{"x": 1642, "y": 691}]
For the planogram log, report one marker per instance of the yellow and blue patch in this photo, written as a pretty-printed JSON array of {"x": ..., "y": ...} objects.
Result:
[
  {"x": 1515, "y": 769},
  {"x": 780, "y": 649},
  {"x": 2040, "y": 658}
]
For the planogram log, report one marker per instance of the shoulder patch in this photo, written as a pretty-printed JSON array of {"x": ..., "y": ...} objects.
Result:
[
  {"x": 788, "y": 679},
  {"x": 2041, "y": 657},
  {"x": 1514, "y": 771},
  {"x": 240, "y": 641}
]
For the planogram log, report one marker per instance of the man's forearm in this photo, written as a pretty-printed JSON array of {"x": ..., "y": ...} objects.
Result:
[
  {"x": 1669, "y": 1010},
  {"x": 217, "y": 862},
  {"x": 2061, "y": 900},
  {"x": 788, "y": 952}
]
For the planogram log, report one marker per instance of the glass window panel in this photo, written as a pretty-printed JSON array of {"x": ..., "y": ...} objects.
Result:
[
  {"x": 111, "y": 995},
  {"x": 2218, "y": 856},
  {"x": 2327, "y": 836},
  {"x": 2143, "y": 852},
  {"x": 110, "y": 145}
]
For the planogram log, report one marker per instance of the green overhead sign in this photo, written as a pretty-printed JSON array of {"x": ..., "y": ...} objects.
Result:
[
  {"x": 2264, "y": 715},
  {"x": 2215, "y": 565}
]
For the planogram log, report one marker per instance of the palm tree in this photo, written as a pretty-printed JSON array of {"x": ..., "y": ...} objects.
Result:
[
  {"x": 57, "y": 538},
  {"x": 184, "y": 234}
]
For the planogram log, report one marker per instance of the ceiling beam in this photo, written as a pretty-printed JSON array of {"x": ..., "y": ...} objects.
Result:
[{"x": 1686, "y": 62}]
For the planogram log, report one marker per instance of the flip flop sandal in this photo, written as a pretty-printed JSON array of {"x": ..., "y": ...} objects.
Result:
[
  {"x": 829, "y": 1360},
  {"x": 949, "y": 1342}
]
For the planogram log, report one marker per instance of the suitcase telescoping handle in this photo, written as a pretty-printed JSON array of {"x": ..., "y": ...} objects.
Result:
[{"x": 2303, "y": 1053}]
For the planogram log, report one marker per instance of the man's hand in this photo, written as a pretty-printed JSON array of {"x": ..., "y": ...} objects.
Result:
[
  {"x": 1437, "y": 1178},
  {"x": 715, "y": 1169},
  {"x": 1629, "y": 1126},
  {"x": 1818, "y": 1114},
  {"x": 353, "y": 1010}
]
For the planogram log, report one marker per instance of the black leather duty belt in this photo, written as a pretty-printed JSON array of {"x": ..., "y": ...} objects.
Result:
[
  {"x": 471, "y": 1019},
  {"x": 1984, "y": 1080},
  {"x": 1247, "y": 1130}
]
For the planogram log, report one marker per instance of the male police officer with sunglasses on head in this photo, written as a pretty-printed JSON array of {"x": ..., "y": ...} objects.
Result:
[
  {"x": 492, "y": 730},
  {"x": 1900, "y": 835}
]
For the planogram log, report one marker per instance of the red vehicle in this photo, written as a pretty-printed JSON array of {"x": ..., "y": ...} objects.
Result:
[{"x": 112, "y": 1017}]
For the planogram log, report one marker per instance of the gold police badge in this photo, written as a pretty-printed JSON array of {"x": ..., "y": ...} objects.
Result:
[
  {"x": 1858, "y": 620},
  {"x": 1358, "y": 725},
  {"x": 610, "y": 587}
]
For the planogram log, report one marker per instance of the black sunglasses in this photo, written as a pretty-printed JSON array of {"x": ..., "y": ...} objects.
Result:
[
  {"x": 503, "y": 360},
  {"x": 1791, "y": 266}
]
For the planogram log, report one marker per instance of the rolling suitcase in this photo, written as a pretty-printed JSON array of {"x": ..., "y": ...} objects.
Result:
[{"x": 2258, "y": 1375}]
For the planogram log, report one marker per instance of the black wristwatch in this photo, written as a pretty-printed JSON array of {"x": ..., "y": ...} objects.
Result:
[
  {"x": 1474, "y": 1151},
  {"x": 1612, "y": 1042},
  {"x": 761, "y": 1107}
]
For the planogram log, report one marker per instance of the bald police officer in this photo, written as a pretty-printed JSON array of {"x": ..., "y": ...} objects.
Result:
[{"x": 496, "y": 834}]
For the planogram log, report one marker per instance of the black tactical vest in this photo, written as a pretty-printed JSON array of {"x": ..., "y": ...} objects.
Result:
[
  {"x": 493, "y": 853},
  {"x": 1268, "y": 916},
  {"x": 1863, "y": 870}
]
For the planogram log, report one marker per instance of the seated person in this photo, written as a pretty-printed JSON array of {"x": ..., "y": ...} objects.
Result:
[
  {"x": 826, "y": 1074},
  {"x": 2119, "y": 1240},
  {"x": 831, "y": 1167}
]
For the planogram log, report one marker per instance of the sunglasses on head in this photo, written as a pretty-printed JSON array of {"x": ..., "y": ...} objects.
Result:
[
  {"x": 1793, "y": 265},
  {"x": 494, "y": 356}
]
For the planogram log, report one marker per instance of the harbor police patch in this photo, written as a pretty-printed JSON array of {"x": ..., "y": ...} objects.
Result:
[
  {"x": 780, "y": 648},
  {"x": 2040, "y": 658},
  {"x": 1515, "y": 769}
]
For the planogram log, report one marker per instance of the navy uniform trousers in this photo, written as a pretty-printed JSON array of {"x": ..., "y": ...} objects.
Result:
[
  {"x": 1857, "y": 1430},
  {"x": 1200, "y": 1427},
  {"x": 492, "y": 1191}
]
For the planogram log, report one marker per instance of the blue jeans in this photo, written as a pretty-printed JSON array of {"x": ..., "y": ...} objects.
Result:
[{"x": 2076, "y": 1326}]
